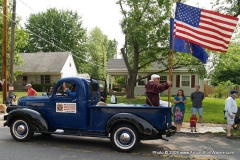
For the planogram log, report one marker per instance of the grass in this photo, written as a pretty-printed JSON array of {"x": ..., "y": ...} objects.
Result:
[{"x": 212, "y": 107}]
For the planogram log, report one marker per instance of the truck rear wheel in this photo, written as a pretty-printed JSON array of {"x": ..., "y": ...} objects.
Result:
[
  {"x": 21, "y": 130},
  {"x": 124, "y": 137}
]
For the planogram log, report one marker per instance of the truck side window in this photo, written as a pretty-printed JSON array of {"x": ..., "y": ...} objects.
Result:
[{"x": 70, "y": 90}]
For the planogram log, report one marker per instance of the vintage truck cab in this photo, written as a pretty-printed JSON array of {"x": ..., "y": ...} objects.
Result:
[{"x": 81, "y": 114}]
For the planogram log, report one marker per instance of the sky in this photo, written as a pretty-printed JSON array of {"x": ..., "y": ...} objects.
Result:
[{"x": 104, "y": 14}]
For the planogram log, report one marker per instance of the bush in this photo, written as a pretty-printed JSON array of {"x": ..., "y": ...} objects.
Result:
[
  {"x": 42, "y": 87},
  {"x": 222, "y": 90}
]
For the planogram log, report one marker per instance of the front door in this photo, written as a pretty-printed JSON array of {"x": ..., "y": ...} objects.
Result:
[{"x": 66, "y": 109}]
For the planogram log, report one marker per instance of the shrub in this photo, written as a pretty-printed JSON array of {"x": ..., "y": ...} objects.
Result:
[{"x": 222, "y": 89}]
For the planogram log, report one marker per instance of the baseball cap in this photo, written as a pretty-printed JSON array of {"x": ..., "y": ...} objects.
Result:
[
  {"x": 101, "y": 86},
  {"x": 154, "y": 76},
  {"x": 233, "y": 91},
  {"x": 29, "y": 85}
]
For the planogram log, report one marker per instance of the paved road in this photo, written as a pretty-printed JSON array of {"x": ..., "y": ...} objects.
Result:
[{"x": 77, "y": 148}]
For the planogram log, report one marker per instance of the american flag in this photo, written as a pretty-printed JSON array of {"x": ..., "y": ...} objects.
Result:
[{"x": 205, "y": 28}]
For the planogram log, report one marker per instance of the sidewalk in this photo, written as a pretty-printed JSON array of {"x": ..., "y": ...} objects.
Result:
[{"x": 207, "y": 127}]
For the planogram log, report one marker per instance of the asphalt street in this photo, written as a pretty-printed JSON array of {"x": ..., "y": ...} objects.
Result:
[{"x": 55, "y": 147}]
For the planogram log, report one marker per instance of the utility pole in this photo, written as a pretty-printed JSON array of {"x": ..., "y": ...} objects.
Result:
[
  {"x": 4, "y": 51},
  {"x": 12, "y": 46}
]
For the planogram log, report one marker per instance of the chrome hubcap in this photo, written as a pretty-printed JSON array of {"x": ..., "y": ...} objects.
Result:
[
  {"x": 124, "y": 138},
  {"x": 21, "y": 129}
]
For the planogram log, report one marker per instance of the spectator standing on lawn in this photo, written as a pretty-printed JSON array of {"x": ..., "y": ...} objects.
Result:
[
  {"x": 180, "y": 101},
  {"x": 30, "y": 90},
  {"x": 230, "y": 111},
  {"x": 197, "y": 98}
]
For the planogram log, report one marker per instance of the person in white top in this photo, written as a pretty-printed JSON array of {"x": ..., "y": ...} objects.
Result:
[{"x": 230, "y": 111}]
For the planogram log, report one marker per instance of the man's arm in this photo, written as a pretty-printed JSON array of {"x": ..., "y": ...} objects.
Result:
[
  {"x": 35, "y": 92},
  {"x": 163, "y": 86},
  {"x": 191, "y": 96},
  {"x": 228, "y": 107},
  {"x": 71, "y": 94}
]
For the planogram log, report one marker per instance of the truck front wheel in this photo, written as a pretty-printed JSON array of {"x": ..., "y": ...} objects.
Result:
[
  {"x": 124, "y": 137},
  {"x": 21, "y": 130}
]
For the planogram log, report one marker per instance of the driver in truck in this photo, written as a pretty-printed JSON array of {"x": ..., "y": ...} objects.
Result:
[{"x": 72, "y": 92}]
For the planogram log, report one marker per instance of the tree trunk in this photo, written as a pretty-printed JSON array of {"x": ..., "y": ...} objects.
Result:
[{"x": 131, "y": 85}]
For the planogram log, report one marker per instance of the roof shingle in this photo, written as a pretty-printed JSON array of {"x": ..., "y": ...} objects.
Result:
[{"x": 43, "y": 62}]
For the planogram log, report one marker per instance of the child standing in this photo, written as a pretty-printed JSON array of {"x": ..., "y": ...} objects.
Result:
[
  {"x": 178, "y": 118},
  {"x": 193, "y": 122}
]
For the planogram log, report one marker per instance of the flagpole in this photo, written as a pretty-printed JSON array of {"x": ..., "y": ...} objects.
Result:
[{"x": 170, "y": 71}]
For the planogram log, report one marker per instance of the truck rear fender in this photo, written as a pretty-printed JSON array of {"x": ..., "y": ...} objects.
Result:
[
  {"x": 36, "y": 119},
  {"x": 142, "y": 125}
]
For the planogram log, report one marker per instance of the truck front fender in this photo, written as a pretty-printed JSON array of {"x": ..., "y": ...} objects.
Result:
[
  {"x": 142, "y": 125},
  {"x": 36, "y": 119}
]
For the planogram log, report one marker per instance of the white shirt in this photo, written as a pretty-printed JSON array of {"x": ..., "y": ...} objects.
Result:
[{"x": 231, "y": 106}]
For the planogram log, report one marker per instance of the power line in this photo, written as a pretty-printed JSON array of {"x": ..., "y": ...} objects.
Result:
[
  {"x": 42, "y": 27},
  {"x": 50, "y": 42}
]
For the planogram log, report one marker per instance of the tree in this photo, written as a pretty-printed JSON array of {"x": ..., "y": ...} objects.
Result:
[
  {"x": 20, "y": 41},
  {"x": 99, "y": 50},
  {"x": 227, "y": 67},
  {"x": 230, "y": 7},
  {"x": 57, "y": 31},
  {"x": 146, "y": 27}
]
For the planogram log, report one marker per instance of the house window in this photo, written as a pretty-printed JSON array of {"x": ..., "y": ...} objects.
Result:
[
  {"x": 70, "y": 65},
  {"x": 163, "y": 79},
  {"x": 185, "y": 81},
  {"x": 142, "y": 82},
  {"x": 45, "y": 79},
  {"x": 25, "y": 79}
]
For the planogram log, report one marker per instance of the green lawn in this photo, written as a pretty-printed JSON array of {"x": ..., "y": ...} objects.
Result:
[{"x": 212, "y": 107}]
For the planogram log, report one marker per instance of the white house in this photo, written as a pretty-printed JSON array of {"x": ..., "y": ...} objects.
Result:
[
  {"x": 181, "y": 78},
  {"x": 44, "y": 68}
]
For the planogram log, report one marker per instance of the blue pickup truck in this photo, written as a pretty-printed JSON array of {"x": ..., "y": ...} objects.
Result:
[{"x": 81, "y": 114}]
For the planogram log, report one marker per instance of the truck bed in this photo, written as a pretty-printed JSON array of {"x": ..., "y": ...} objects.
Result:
[{"x": 159, "y": 117}]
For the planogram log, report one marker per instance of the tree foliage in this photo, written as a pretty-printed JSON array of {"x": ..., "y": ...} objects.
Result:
[
  {"x": 227, "y": 67},
  {"x": 57, "y": 31},
  {"x": 222, "y": 89},
  {"x": 230, "y": 7},
  {"x": 99, "y": 50},
  {"x": 145, "y": 24},
  {"x": 20, "y": 40}
]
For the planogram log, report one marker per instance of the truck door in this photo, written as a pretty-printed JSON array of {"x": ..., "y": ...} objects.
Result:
[{"x": 66, "y": 107}]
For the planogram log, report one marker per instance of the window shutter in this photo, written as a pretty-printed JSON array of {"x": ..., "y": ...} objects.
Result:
[
  {"x": 193, "y": 81},
  {"x": 177, "y": 80},
  {"x": 149, "y": 78}
]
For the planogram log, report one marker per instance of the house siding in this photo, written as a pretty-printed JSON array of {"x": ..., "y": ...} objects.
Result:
[
  {"x": 67, "y": 70},
  {"x": 18, "y": 84}
]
